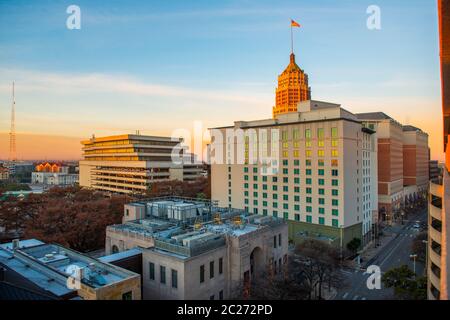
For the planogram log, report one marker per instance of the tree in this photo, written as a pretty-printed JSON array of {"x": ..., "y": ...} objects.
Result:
[
  {"x": 354, "y": 245},
  {"x": 405, "y": 284},
  {"x": 286, "y": 285},
  {"x": 319, "y": 265},
  {"x": 70, "y": 216},
  {"x": 419, "y": 247}
]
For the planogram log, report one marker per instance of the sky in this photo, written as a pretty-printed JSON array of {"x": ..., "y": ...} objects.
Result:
[{"x": 158, "y": 66}]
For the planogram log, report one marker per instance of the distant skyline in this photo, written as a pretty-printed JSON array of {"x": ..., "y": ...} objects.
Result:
[{"x": 157, "y": 66}]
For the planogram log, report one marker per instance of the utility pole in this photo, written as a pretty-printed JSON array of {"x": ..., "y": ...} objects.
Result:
[
  {"x": 12, "y": 133},
  {"x": 414, "y": 256}
]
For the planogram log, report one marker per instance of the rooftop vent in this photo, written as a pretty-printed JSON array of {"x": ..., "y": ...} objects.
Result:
[{"x": 15, "y": 244}]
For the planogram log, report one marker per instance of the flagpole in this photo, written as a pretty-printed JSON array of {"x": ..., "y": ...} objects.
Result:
[{"x": 292, "y": 40}]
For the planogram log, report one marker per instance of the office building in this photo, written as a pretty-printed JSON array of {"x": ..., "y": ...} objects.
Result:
[
  {"x": 315, "y": 167},
  {"x": 4, "y": 173},
  {"x": 131, "y": 163},
  {"x": 435, "y": 170},
  {"x": 438, "y": 258},
  {"x": 196, "y": 250}
]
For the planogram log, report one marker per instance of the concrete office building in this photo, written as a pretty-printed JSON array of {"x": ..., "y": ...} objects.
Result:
[
  {"x": 61, "y": 273},
  {"x": 130, "y": 163},
  {"x": 390, "y": 161},
  {"x": 195, "y": 250},
  {"x": 439, "y": 200},
  {"x": 325, "y": 180}
]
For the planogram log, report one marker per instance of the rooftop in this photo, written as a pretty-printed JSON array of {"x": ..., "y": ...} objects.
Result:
[
  {"x": 373, "y": 116},
  {"x": 49, "y": 266}
]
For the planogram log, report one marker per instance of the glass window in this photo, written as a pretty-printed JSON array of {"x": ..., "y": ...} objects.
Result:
[
  {"x": 285, "y": 216},
  {"x": 321, "y": 192},
  {"x": 335, "y": 212},
  {"x": 174, "y": 279},
  {"x": 202, "y": 273},
  {"x": 211, "y": 269},
  {"x": 321, "y": 220},
  {"x": 151, "y": 270},
  {"x": 335, "y": 223},
  {"x": 220, "y": 265},
  {"x": 335, "y": 202},
  {"x": 297, "y": 217},
  {"x": 322, "y": 210},
  {"x": 308, "y": 181},
  {"x": 335, "y": 192},
  {"x": 162, "y": 273},
  {"x": 309, "y": 219},
  {"x": 308, "y": 190}
]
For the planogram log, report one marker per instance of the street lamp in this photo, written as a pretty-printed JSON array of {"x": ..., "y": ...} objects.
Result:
[{"x": 414, "y": 256}]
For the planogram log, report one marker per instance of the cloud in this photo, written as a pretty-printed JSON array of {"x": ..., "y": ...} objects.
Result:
[{"x": 36, "y": 81}]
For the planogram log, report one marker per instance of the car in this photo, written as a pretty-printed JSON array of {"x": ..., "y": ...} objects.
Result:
[{"x": 416, "y": 226}]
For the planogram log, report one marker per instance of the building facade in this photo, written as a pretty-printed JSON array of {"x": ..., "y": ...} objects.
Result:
[
  {"x": 316, "y": 168},
  {"x": 4, "y": 173},
  {"x": 65, "y": 274},
  {"x": 196, "y": 250},
  {"x": 438, "y": 257},
  {"x": 131, "y": 163}
]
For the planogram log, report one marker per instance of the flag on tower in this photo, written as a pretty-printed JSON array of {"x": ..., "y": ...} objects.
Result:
[{"x": 295, "y": 24}]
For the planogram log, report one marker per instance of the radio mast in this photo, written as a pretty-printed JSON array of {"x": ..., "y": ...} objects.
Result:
[{"x": 12, "y": 133}]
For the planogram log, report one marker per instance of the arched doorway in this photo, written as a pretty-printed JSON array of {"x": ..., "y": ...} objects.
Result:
[
  {"x": 114, "y": 249},
  {"x": 256, "y": 262}
]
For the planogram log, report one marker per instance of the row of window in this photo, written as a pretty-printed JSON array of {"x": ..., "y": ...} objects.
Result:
[
  {"x": 308, "y": 181},
  {"x": 162, "y": 275},
  {"x": 211, "y": 270}
]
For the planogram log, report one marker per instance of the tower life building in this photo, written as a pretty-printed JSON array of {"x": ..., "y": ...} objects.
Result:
[{"x": 292, "y": 88}]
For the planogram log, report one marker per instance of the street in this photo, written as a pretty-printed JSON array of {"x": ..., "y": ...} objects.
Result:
[{"x": 394, "y": 254}]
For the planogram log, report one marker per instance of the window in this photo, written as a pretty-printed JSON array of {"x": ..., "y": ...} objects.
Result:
[
  {"x": 296, "y": 162},
  {"x": 335, "y": 173},
  {"x": 335, "y": 202},
  {"x": 246, "y": 185},
  {"x": 308, "y": 181},
  {"x": 221, "y": 295},
  {"x": 295, "y": 134},
  {"x": 321, "y": 192},
  {"x": 127, "y": 295},
  {"x": 320, "y": 137},
  {"x": 285, "y": 206},
  {"x": 297, "y": 217},
  {"x": 334, "y": 162},
  {"x": 285, "y": 188},
  {"x": 309, "y": 219},
  {"x": 285, "y": 171},
  {"x": 274, "y": 241},
  {"x": 321, "y": 172},
  {"x": 211, "y": 269},
  {"x": 264, "y": 186},
  {"x": 308, "y": 209},
  {"x": 308, "y": 162},
  {"x": 297, "y": 180},
  {"x": 308, "y": 153},
  {"x": 297, "y": 171},
  {"x": 151, "y": 270},
  {"x": 202, "y": 273},
  {"x": 335, "y": 212},
  {"x": 265, "y": 211},
  {"x": 275, "y": 214},
  {"x": 321, "y": 220},
  {"x": 162, "y": 274},
  {"x": 321, "y": 201},
  {"x": 245, "y": 169},
  {"x": 246, "y": 178},
  {"x": 211, "y": 297},
  {"x": 335, "y": 182},
  {"x": 321, "y": 182},
  {"x": 334, "y": 137},
  {"x": 274, "y": 179},
  {"x": 308, "y": 190},
  {"x": 274, "y": 187},
  {"x": 308, "y": 172},
  {"x": 321, "y": 163},
  {"x": 264, "y": 178},
  {"x": 321, "y": 210},
  {"x": 285, "y": 162},
  {"x": 321, "y": 153},
  {"x": 255, "y": 194},
  {"x": 255, "y": 170},
  {"x": 334, "y": 153},
  {"x": 296, "y": 153},
  {"x": 297, "y": 207},
  {"x": 174, "y": 279},
  {"x": 335, "y": 223},
  {"x": 308, "y": 138},
  {"x": 308, "y": 200},
  {"x": 279, "y": 239},
  {"x": 220, "y": 265},
  {"x": 285, "y": 197},
  {"x": 285, "y": 216}
]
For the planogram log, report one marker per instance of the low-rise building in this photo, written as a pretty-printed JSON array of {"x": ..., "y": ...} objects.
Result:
[
  {"x": 4, "y": 173},
  {"x": 62, "y": 273},
  {"x": 55, "y": 179},
  {"x": 196, "y": 250}
]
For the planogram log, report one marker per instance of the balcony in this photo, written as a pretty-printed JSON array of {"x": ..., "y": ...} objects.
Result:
[
  {"x": 435, "y": 212},
  {"x": 435, "y": 235},
  {"x": 434, "y": 258}
]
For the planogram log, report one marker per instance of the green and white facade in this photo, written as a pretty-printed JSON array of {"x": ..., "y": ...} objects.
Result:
[{"x": 315, "y": 167}]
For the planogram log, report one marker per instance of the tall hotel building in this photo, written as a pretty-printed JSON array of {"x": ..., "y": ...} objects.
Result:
[
  {"x": 439, "y": 199},
  {"x": 315, "y": 167},
  {"x": 131, "y": 163}
]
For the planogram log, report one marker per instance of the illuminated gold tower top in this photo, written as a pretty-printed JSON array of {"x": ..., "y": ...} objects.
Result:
[{"x": 292, "y": 89}]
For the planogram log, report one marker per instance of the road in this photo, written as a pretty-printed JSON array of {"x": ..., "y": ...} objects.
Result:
[{"x": 394, "y": 254}]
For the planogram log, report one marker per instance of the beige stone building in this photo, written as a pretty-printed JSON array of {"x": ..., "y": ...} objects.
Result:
[
  {"x": 315, "y": 167},
  {"x": 61, "y": 273},
  {"x": 195, "y": 250},
  {"x": 438, "y": 252}
]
